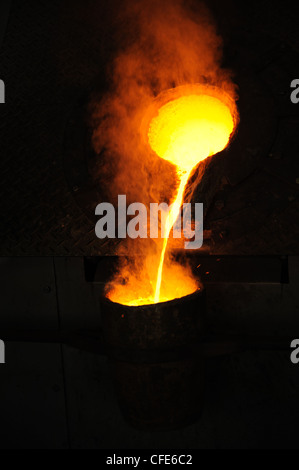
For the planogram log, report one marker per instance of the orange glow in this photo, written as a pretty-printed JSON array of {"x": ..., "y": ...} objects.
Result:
[
  {"x": 139, "y": 290},
  {"x": 191, "y": 124},
  {"x": 190, "y": 129},
  {"x": 185, "y": 132}
]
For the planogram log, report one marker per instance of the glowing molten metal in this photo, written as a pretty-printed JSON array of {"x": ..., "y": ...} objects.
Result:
[
  {"x": 192, "y": 125},
  {"x": 185, "y": 132}
]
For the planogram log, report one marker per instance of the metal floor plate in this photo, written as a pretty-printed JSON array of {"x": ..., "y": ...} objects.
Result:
[{"x": 52, "y": 55}]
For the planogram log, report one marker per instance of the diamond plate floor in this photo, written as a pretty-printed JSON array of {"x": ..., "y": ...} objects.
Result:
[{"x": 52, "y": 55}]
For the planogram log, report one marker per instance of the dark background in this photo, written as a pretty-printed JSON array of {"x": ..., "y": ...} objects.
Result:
[{"x": 56, "y": 390}]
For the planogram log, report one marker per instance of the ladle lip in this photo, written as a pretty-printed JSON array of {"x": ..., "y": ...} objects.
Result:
[{"x": 184, "y": 90}]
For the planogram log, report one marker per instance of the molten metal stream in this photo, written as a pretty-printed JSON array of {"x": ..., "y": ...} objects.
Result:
[
  {"x": 196, "y": 122},
  {"x": 187, "y": 131},
  {"x": 170, "y": 221}
]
